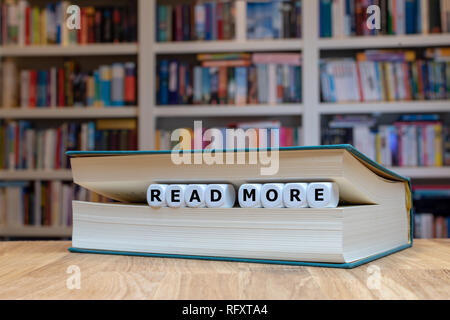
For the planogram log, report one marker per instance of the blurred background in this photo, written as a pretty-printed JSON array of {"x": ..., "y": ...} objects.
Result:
[{"x": 136, "y": 70}]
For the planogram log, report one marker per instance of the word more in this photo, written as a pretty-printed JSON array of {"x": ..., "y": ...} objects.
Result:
[{"x": 252, "y": 195}]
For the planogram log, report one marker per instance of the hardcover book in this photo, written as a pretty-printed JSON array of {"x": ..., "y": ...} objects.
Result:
[{"x": 373, "y": 217}]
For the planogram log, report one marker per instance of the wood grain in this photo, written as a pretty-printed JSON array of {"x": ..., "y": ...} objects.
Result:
[{"x": 37, "y": 270}]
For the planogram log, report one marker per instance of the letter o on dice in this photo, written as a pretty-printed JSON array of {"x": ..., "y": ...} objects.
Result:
[
  {"x": 272, "y": 195},
  {"x": 156, "y": 195},
  {"x": 322, "y": 195},
  {"x": 194, "y": 195},
  {"x": 294, "y": 195},
  {"x": 220, "y": 196},
  {"x": 249, "y": 195},
  {"x": 175, "y": 195}
]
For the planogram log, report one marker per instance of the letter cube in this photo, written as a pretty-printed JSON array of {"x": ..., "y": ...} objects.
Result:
[
  {"x": 175, "y": 195},
  {"x": 294, "y": 195},
  {"x": 156, "y": 195},
  {"x": 220, "y": 196},
  {"x": 194, "y": 195},
  {"x": 322, "y": 195},
  {"x": 249, "y": 195},
  {"x": 272, "y": 195}
]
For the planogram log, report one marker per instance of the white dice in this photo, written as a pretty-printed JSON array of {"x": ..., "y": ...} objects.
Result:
[
  {"x": 220, "y": 196},
  {"x": 175, "y": 195},
  {"x": 249, "y": 195},
  {"x": 272, "y": 195},
  {"x": 156, "y": 195},
  {"x": 294, "y": 195},
  {"x": 194, "y": 195},
  {"x": 322, "y": 195}
]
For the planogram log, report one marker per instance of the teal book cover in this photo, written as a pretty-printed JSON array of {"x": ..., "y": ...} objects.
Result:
[{"x": 372, "y": 165}]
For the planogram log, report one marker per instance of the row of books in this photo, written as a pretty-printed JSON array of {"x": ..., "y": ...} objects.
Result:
[
  {"x": 339, "y": 18},
  {"x": 431, "y": 204},
  {"x": 41, "y": 203},
  {"x": 24, "y": 24},
  {"x": 274, "y": 19},
  {"x": 385, "y": 75},
  {"x": 25, "y": 146},
  {"x": 109, "y": 85},
  {"x": 281, "y": 137},
  {"x": 210, "y": 20},
  {"x": 428, "y": 225},
  {"x": 414, "y": 140},
  {"x": 241, "y": 78}
]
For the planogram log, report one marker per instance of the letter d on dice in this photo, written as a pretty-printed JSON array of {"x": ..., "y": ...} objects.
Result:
[
  {"x": 220, "y": 196},
  {"x": 322, "y": 195},
  {"x": 156, "y": 195}
]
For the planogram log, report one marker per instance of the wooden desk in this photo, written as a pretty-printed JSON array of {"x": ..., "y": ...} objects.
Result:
[{"x": 37, "y": 270}]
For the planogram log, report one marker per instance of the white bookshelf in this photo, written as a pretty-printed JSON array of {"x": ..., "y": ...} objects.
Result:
[
  {"x": 69, "y": 113},
  {"x": 70, "y": 50},
  {"x": 23, "y": 175},
  {"x": 308, "y": 113}
]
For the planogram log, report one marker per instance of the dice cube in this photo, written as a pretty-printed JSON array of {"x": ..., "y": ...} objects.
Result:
[
  {"x": 220, "y": 196},
  {"x": 175, "y": 195},
  {"x": 322, "y": 195},
  {"x": 156, "y": 195},
  {"x": 194, "y": 195},
  {"x": 249, "y": 195},
  {"x": 294, "y": 195},
  {"x": 272, "y": 195}
]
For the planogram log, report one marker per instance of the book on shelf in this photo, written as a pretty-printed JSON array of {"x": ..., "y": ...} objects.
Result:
[
  {"x": 201, "y": 20},
  {"x": 25, "y": 23},
  {"x": 277, "y": 135},
  {"x": 274, "y": 19},
  {"x": 69, "y": 85},
  {"x": 413, "y": 140},
  {"x": 372, "y": 200},
  {"x": 24, "y": 145},
  {"x": 344, "y": 18},
  {"x": 431, "y": 216},
  {"x": 233, "y": 79},
  {"x": 40, "y": 203},
  {"x": 386, "y": 75}
]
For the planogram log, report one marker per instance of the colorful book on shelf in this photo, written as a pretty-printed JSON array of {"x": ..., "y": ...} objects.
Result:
[
  {"x": 67, "y": 86},
  {"x": 227, "y": 78},
  {"x": 24, "y": 23},
  {"x": 333, "y": 241}
]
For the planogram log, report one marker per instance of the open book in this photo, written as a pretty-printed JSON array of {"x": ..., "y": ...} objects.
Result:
[{"x": 373, "y": 217}]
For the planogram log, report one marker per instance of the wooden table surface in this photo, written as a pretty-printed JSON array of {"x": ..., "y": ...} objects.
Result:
[{"x": 39, "y": 270}]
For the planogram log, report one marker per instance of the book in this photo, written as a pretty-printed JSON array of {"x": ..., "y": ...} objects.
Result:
[
  {"x": 195, "y": 21},
  {"x": 29, "y": 24},
  {"x": 377, "y": 202},
  {"x": 68, "y": 86}
]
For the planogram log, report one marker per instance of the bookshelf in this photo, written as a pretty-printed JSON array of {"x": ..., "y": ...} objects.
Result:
[{"x": 308, "y": 113}]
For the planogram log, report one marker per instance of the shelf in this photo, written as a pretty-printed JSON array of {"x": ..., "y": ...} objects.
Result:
[
  {"x": 423, "y": 172},
  {"x": 385, "y": 107},
  {"x": 229, "y": 111},
  {"x": 25, "y": 175},
  {"x": 403, "y": 41},
  {"x": 70, "y": 50},
  {"x": 227, "y": 46},
  {"x": 68, "y": 113},
  {"x": 35, "y": 231}
]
